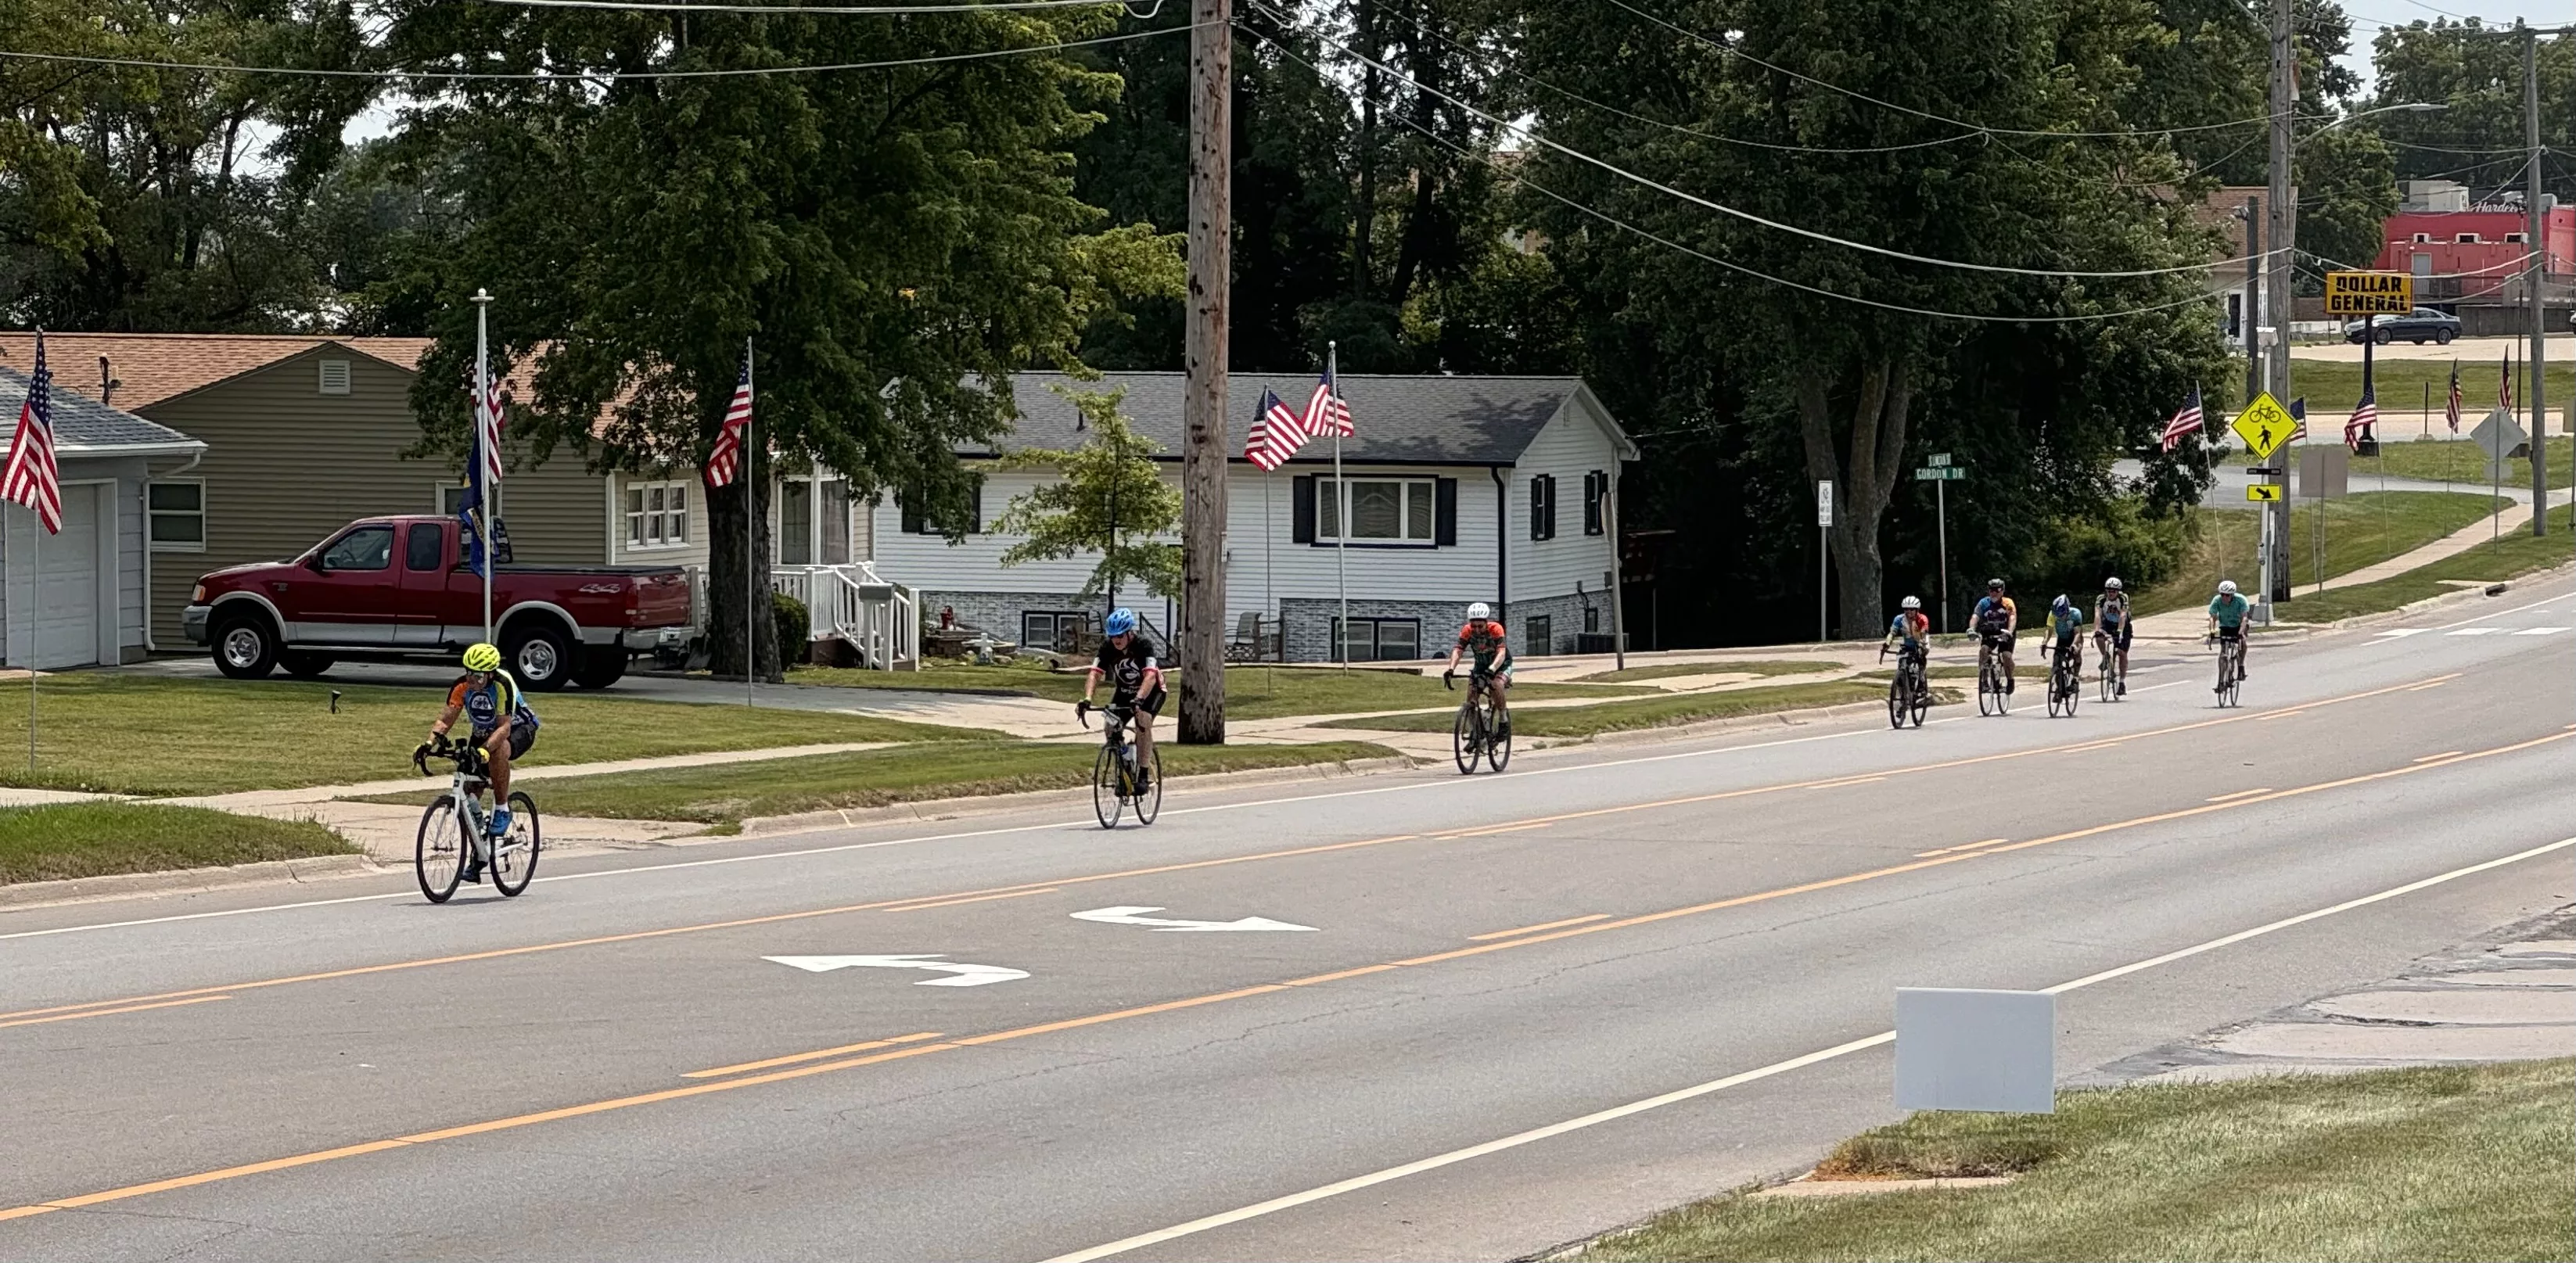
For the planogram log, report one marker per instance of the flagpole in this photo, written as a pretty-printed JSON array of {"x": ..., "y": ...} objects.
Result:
[
  {"x": 35, "y": 629},
  {"x": 1341, "y": 514},
  {"x": 1269, "y": 570},
  {"x": 750, "y": 577},
  {"x": 482, "y": 472}
]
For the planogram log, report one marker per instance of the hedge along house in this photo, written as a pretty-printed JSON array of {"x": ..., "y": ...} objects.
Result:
[
  {"x": 302, "y": 434},
  {"x": 78, "y": 598},
  {"x": 1455, "y": 489}
]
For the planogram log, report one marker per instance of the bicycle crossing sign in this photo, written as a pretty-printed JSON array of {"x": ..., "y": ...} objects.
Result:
[{"x": 2264, "y": 425}]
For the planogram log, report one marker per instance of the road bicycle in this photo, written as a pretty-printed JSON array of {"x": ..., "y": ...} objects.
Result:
[
  {"x": 2115, "y": 682},
  {"x": 1909, "y": 694},
  {"x": 1119, "y": 779},
  {"x": 2231, "y": 668},
  {"x": 2065, "y": 678},
  {"x": 456, "y": 825},
  {"x": 1994, "y": 687},
  {"x": 1481, "y": 730}
]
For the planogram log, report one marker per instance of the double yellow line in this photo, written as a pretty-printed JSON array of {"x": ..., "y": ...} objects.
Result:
[
  {"x": 131, "y": 1004},
  {"x": 909, "y": 1046}
]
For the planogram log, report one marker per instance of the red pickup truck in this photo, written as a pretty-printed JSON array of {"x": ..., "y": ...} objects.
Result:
[{"x": 394, "y": 587}]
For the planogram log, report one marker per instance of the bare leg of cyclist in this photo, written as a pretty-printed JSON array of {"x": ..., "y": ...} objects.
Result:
[
  {"x": 2004, "y": 657},
  {"x": 1144, "y": 750}
]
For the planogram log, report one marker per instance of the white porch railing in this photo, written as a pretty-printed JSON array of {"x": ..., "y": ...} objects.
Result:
[{"x": 881, "y": 621}]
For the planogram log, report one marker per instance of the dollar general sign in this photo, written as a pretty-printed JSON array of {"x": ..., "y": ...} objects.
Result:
[{"x": 2369, "y": 293}]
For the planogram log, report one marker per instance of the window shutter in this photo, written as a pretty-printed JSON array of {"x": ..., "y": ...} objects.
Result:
[
  {"x": 1301, "y": 510},
  {"x": 912, "y": 523},
  {"x": 1596, "y": 488},
  {"x": 975, "y": 504},
  {"x": 1444, "y": 513},
  {"x": 1538, "y": 507}
]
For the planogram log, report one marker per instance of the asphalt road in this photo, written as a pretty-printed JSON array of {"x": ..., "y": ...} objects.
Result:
[{"x": 1529, "y": 1007}]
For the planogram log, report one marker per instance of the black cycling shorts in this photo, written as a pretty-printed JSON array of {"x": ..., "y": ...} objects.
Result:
[
  {"x": 2120, "y": 637},
  {"x": 522, "y": 740},
  {"x": 1149, "y": 704},
  {"x": 2231, "y": 633}
]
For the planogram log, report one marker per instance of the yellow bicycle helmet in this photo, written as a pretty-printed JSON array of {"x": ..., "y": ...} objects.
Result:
[{"x": 482, "y": 658}]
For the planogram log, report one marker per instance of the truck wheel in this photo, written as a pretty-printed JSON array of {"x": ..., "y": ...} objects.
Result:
[
  {"x": 245, "y": 647},
  {"x": 600, "y": 667},
  {"x": 303, "y": 664},
  {"x": 540, "y": 656}
]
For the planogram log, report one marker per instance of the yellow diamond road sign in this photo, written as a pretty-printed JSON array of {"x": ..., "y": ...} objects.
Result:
[
  {"x": 2264, "y": 425},
  {"x": 2263, "y": 492}
]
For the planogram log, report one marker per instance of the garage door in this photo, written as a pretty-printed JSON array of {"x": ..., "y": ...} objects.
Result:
[{"x": 67, "y": 594}]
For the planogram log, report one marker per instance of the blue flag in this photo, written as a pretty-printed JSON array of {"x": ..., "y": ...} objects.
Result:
[{"x": 469, "y": 515}]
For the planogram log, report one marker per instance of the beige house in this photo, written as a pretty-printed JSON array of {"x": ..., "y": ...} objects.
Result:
[{"x": 303, "y": 434}]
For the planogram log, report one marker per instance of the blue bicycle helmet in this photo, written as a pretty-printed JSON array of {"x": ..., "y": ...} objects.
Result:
[
  {"x": 1121, "y": 621},
  {"x": 2060, "y": 603}
]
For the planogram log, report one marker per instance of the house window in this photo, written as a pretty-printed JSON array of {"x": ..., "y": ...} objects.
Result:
[
  {"x": 813, "y": 522},
  {"x": 915, "y": 523},
  {"x": 335, "y": 377},
  {"x": 1377, "y": 639},
  {"x": 1543, "y": 507},
  {"x": 1541, "y": 636},
  {"x": 1596, "y": 493},
  {"x": 657, "y": 515},
  {"x": 1381, "y": 510},
  {"x": 2516, "y": 238},
  {"x": 2466, "y": 239},
  {"x": 178, "y": 515},
  {"x": 2423, "y": 237},
  {"x": 451, "y": 500},
  {"x": 1058, "y": 630}
]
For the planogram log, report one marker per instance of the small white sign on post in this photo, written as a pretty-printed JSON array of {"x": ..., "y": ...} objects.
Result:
[
  {"x": 1824, "y": 504},
  {"x": 1962, "y": 1049}
]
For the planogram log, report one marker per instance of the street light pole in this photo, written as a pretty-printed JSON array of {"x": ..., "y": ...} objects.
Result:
[
  {"x": 2276, "y": 287},
  {"x": 2536, "y": 241}
]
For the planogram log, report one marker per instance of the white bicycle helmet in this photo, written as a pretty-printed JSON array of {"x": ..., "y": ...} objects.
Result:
[
  {"x": 1913, "y": 603},
  {"x": 1479, "y": 611},
  {"x": 2111, "y": 584},
  {"x": 2227, "y": 587}
]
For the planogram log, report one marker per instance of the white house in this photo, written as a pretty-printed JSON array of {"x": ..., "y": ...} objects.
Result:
[
  {"x": 77, "y": 598},
  {"x": 1460, "y": 489}
]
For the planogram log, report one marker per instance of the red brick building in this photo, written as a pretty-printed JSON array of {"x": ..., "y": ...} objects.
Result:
[{"x": 2471, "y": 249}]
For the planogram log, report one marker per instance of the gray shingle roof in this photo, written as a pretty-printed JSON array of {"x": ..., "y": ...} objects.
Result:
[
  {"x": 1399, "y": 420},
  {"x": 82, "y": 422}
]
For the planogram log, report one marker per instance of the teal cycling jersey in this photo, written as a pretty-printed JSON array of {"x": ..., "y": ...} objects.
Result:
[
  {"x": 2229, "y": 608},
  {"x": 2064, "y": 625}
]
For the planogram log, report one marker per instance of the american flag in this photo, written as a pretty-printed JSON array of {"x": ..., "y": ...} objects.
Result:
[
  {"x": 2185, "y": 420},
  {"x": 2504, "y": 383},
  {"x": 2298, "y": 420},
  {"x": 726, "y": 460},
  {"x": 32, "y": 478},
  {"x": 2364, "y": 415},
  {"x": 1326, "y": 413},
  {"x": 1276, "y": 434},
  {"x": 487, "y": 419},
  {"x": 2452, "y": 413}
]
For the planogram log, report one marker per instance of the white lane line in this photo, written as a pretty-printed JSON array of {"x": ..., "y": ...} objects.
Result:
[
  {"x": 1613, "y": 1114},
  {"x": 2476, "y": 631},
  {"x": 2540, "y": 631},
  {"x": 2401, "y": 631},
  {"x": 2501, "y": 613}
]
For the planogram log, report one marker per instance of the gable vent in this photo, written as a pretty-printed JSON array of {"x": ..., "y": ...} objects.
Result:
[{"x": 335, "y": 377}]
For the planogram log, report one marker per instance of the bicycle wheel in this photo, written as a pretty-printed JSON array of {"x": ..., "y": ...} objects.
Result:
[
  {"x": 1106, "y": 800},
  {"x": 514, "y": 855},
  {"x": 438, "y": 855},
  {"x": 1987, "y": 694},
  {"x": 1922, "y": 698},
  {"x": 2074, "y": 692},
  {"x": 1149, "y": 804},
  {"x": 1498, "y": 740},
  {"x": 1466, "y": 738},
  {"x": 1900, "y": 698},
  {"x": 2110, "y": 687}
]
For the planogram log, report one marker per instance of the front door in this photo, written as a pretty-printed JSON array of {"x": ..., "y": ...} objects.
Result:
[{"x": 354, "y": 593}]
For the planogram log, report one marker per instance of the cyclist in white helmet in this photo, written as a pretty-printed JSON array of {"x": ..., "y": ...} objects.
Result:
[
  {"x": 1484, "y": 638},
  {"x": 2111, "y": 627},
  {"x": 2227, "y": 614}
]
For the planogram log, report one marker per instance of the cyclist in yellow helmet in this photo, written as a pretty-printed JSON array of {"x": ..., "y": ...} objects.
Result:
[{"x": 503, "y": 723}]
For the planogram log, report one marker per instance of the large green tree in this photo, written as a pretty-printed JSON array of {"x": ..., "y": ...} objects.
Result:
[
  {"x": 2475, "y": 72},
  {"x": 891, "y": 243}
]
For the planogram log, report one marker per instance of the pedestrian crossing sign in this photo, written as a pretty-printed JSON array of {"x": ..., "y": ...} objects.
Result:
[{"x": 2264, "y": 425}]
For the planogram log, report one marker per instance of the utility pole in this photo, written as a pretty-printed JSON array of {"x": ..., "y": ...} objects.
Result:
[
  {"x": 2280, "y": 238},
  {"x": 2253, "y": 301},
  {"x": 1203, "y": 429},
  {"x": 2536, "y": 238}
]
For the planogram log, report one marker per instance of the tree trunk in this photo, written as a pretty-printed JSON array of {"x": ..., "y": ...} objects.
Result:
[
  {"x": 1201, "y": 652},
  {"x": 726, "y": 594},
  {"x": 1864, "y": 472}
]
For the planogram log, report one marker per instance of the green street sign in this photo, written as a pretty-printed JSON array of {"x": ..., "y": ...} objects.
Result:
[{"x": 1940, "y": 473}]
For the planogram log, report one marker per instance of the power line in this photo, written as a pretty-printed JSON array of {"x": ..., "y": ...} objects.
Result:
[
  {"x": 890, "y": 10},
  {"x": 585, "y": 75},
  {"x": 1733, "y": 51},
  {"x": 1721, "y": 208}
]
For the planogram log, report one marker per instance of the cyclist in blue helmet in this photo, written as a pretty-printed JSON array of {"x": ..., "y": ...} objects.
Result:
[{"x": 1135, "y": 679}]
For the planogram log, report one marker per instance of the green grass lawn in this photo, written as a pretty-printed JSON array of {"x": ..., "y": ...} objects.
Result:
[
  {"x": 2362, "y": 529},
  {"x": 874, "y": 778},
  {"x": 2516, "y": 553},
  {"x": 142, "y": 735},
  {"x": 2467, "y": 1162},
  {"x": 2459, "y": 461},
  {"x": 2332, "y": 387},
  {"x": 1251, "y": 692},
  {"x": 96, "y": 839},
  {"x": 1671, "y": 670},
  {"x": 1656, "y": 712}
]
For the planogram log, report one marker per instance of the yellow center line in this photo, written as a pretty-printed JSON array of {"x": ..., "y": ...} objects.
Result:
[
  {"x": 1966, "y": 846},
  {"x": 2443, "y": 755},
  {"x": 1168, "y": 1006},
  {"x": 2284, "y": 714},
  {"x": 2259, "y": 789},
  {"x": 1487, "y": 833},
  {"x": 1533, "y": 929},
  {"x": 951, "y": 903},
  {"x": 793, "y": 1058},
  {"x": 1855, "y": 780},
  {"x": 2428, "y": 684},
  {"x": 131, "y": 1008},
  {"x": 357, "y": 971}
]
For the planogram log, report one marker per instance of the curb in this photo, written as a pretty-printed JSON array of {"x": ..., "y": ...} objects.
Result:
[
  {"x": 930, "y": 809},
  {"x": 187, "y": 880}
]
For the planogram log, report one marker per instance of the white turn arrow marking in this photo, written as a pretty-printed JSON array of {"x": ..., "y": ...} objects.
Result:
[
  {"x": 1133, "y": 916},
  {"x": 965, "y": 975}
]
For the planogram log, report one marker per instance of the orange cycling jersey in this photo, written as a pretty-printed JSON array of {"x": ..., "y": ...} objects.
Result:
[{"x": 1484, "y": 639}]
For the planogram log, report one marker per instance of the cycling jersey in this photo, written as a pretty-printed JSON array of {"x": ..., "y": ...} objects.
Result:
[
  {"x": 2113, "y": 613},
  {"x": 2064, "y": 626},
  {"x": 1484, "y": 639},
  {"x": 1911, "y": 627},
  {"x": 1994, "y": 614},
  {"x": 2229, "y": 608},
  {"x": 484, "y": 706},
  {"x": 1126, "y": 669}
]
